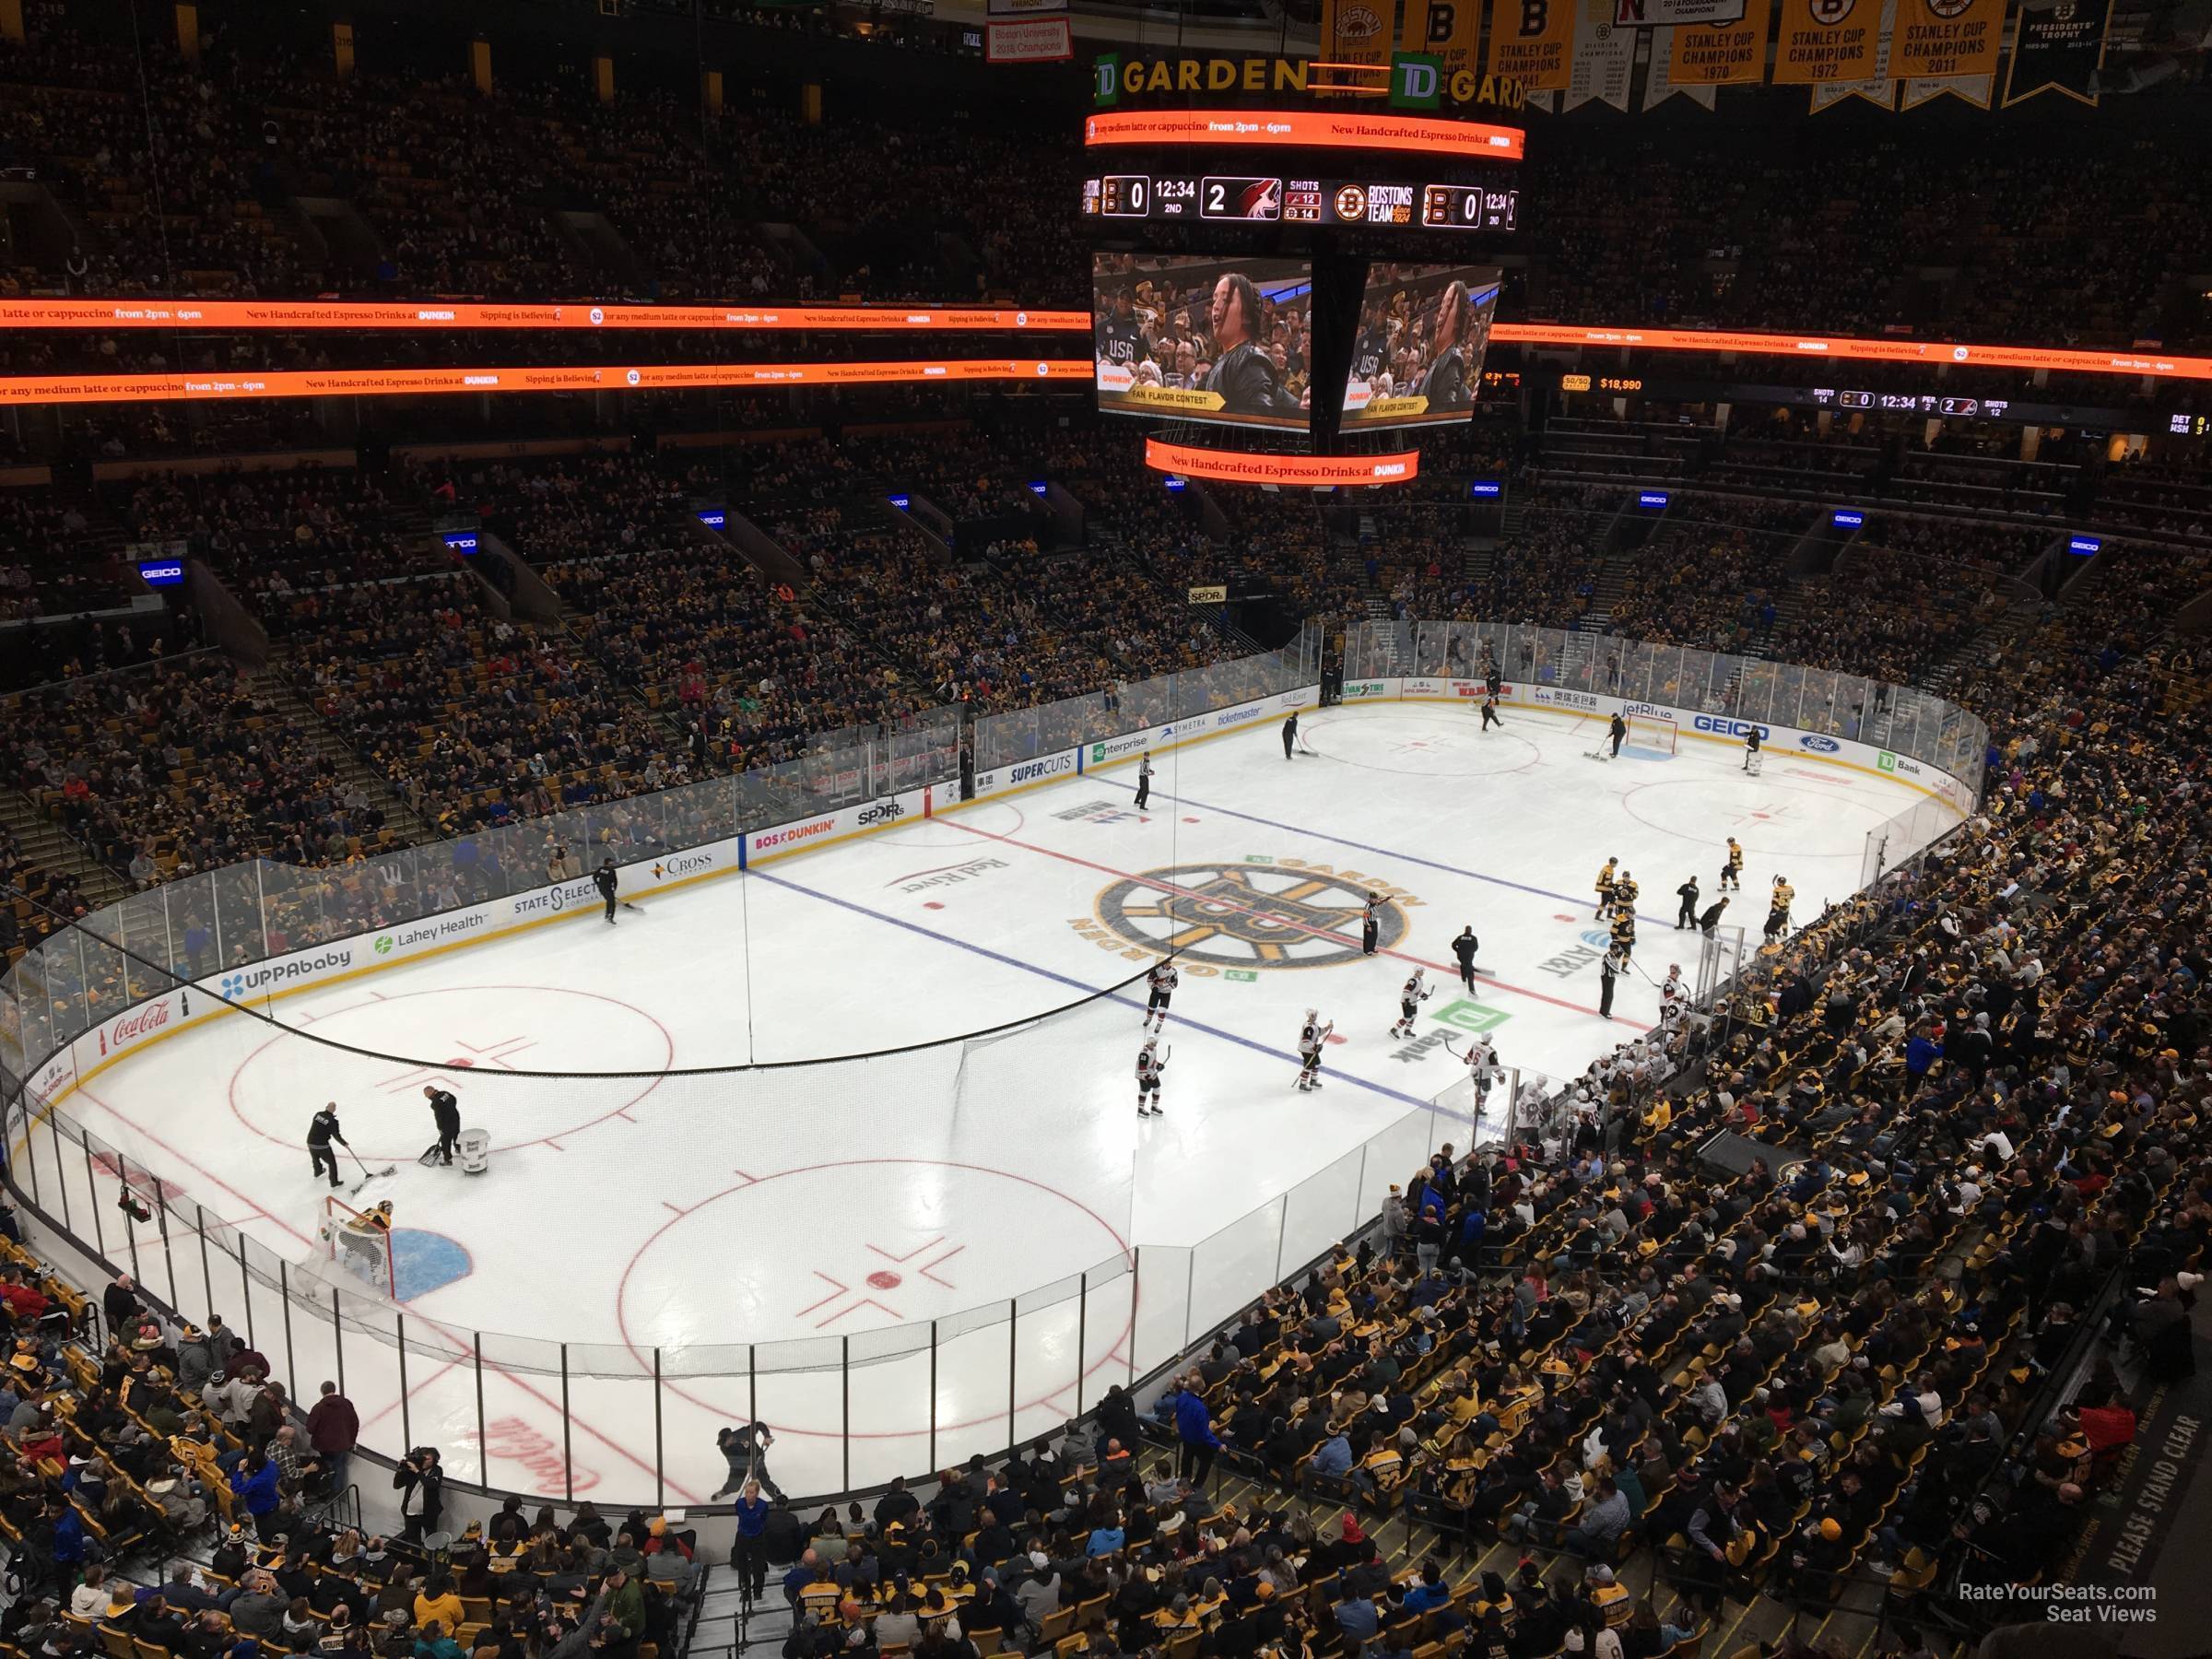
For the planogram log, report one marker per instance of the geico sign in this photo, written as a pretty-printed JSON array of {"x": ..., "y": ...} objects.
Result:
[
  {"x": 1051, "y": 766},
  {"x": 1726, "y": 727}
]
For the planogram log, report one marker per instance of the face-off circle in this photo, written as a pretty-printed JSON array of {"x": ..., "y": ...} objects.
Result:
[
  {"x": 477, "y": 1034},
  {"x": 930, "y": 1238},
  {"x": 1424, "y": 745}
]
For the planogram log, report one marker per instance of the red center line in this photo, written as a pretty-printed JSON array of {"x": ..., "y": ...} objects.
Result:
[
  {"x": 1451, "y": 969},
  {"x": 461, "y": 1348}
]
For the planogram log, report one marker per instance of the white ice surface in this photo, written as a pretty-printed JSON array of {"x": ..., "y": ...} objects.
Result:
[{"x": 830, "y": 1212}]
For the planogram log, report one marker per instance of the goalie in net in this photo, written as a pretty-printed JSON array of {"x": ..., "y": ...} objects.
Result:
[{"x": 359, "y": 1242}]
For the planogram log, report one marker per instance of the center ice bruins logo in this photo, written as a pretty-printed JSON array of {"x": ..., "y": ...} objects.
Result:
[{"x": 1253, "y": 915}]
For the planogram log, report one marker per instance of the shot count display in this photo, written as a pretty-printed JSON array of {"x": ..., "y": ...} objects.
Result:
[{"x": 1280, "y": 199}]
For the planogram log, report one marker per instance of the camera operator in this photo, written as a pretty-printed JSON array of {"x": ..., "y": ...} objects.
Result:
[{"x": 421, "y": 1483}]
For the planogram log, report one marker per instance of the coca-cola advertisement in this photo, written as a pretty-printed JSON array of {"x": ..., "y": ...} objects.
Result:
[{"x": 140, "y": 1023}]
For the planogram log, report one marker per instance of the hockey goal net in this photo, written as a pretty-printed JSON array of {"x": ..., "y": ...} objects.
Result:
[
  {"x": 1651, "y": 732},
  {"x": 358, "y": 1243}
]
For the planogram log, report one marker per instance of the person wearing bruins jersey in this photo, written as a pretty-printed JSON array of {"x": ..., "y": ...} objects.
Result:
[
  {"x": 1777, "y": 910},
  {"x": 1732, "y": 872},
  {"x": 1605, "y": 889}
]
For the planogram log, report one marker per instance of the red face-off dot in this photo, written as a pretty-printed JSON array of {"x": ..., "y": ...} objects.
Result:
[{"x": 883, "y": 1279}]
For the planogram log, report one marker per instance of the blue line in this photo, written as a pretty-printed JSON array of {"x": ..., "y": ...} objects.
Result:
[
  {"x": 1342, "y": 840},
  {"x": 1000, "y": 957}
]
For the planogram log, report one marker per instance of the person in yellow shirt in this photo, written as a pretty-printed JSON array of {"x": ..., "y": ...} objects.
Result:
[
  {"x": 1605, "y": 889},
  {"x": 438, "y": 1599}
]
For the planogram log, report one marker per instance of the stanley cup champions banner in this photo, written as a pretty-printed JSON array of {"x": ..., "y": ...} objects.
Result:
[
  {"x": 1947, "y": 46},
  {"x": 1692, "y": 58},
  {"x": 1874, "y": 85},
  {"x": 1357, "y": 31},
  {"x": 1530, "y": 38},
  {"x": 1827, "y": 41}
]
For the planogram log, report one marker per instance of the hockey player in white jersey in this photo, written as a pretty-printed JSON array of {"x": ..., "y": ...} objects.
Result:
[
  {"x": 1150, "y": 1063},
  {"x": 1482, "y": 1067},
  {"x": 1310, "y": 1036},
  {"x": 1673, "y": 998},
  {"x": 1411, "y": 995},
  {"x": 1163, "y": 979}
]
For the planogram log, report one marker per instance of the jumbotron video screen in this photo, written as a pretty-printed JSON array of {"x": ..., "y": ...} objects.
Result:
[
  {"x": 1204, "y": 338},
  {"x": 1417, "y": 359}
]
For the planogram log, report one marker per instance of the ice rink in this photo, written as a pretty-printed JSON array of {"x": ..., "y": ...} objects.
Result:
[{"x": 1001, "y": 1188}]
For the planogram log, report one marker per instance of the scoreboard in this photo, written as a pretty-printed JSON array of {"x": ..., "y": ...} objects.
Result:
[{"x": 1278, "y": 199}]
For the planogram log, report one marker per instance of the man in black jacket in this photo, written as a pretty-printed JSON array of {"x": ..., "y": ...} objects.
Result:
[
  {"x": 421, "y": 1486},
  {"x": 604, "y": 880},
  {"x": 446, "y": 1110}
]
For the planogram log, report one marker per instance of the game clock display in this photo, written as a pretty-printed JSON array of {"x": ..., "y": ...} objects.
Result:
[{"x": 1277, "y": 200}]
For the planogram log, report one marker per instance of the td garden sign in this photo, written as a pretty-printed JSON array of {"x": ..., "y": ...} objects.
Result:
[{"x": 1417, "y": 81}]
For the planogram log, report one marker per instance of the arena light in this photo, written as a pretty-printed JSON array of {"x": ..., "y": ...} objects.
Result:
[
  {"x": 1287, "y": 472},
  {"x": 646, "y": 377},
  {"x": 1305, "y": 129},
  {"x": 1842, "y": 345},
  {"x": 299, "y": 316}
]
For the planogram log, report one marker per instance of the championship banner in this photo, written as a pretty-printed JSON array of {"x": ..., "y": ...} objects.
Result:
[
  {"x": 1693, "y": 61},
  {"x": 1357, "y": 32},
  {"x": 1030, "y": 41},
  {"x": 1826, "y": 41},
  {"x": 2059, "y": 48},
  {"x": 1676, "y": 14},
  {"x": 1875, "y": 87},
  {"x": 1602, "y": 59},
  {"x": 1530, "y": 39},
  {"x": 1450, "y": 30}
]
